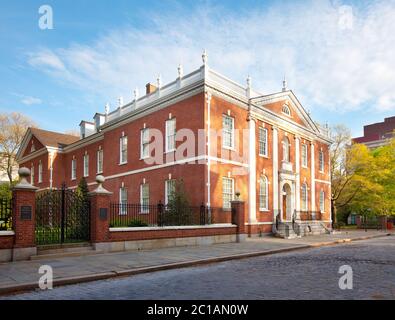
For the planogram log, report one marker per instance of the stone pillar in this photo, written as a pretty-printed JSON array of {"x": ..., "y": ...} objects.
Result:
[
  {"x": 100, "y": 216},
  {"x": 24, "y": 218},
  {"x": 238, "y": 218}
]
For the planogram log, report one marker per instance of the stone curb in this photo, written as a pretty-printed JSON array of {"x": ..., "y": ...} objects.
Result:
[{"x": 29, "y": 286}]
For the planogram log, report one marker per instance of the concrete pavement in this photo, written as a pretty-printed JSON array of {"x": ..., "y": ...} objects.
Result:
[{"x": 22, "y": 276}]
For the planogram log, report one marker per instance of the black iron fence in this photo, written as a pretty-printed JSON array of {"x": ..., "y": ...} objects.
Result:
[
  {"x": 160, "y": 215},
  {"x": 5, "y": 214}
]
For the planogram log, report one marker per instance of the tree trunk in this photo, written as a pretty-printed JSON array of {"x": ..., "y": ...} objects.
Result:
[{"x": 334, "y": 213}]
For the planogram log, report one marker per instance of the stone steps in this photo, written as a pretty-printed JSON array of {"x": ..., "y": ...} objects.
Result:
[{"x": 302, "y": 228}]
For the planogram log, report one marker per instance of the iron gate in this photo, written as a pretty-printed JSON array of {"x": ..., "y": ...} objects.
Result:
[{"x": 62, "y": 216}]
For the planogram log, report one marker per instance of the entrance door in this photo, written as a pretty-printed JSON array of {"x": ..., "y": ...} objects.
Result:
[
  {"x": 284, "y": 207},
  {"x": 62, "y": 216}
]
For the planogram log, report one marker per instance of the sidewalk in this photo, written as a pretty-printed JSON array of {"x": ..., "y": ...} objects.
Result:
[{"x": 20, "y": 276}]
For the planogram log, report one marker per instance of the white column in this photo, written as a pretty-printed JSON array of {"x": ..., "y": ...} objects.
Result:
[
  {"x": 275, "y": 172},
  {"x": 297, "y": 172},
  {"x": 313, "y": 208},
  {"x": 252, "y": 171}
]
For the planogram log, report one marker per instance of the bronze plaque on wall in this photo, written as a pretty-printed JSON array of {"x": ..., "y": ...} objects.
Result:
[
  {"x": 103, "y": 213},
  {"x": 26, "y": 213}
]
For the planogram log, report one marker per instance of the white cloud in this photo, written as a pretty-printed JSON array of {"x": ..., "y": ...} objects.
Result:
[
  {"x": 326, "y": 64},
  {"x": 31, "y": 101}
]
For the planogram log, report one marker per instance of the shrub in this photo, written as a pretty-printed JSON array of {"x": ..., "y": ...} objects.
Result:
[{"x": 137, "y": 223}]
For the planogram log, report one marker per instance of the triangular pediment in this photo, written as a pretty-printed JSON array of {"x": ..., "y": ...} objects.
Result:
[{"x": 285, "y": 105}]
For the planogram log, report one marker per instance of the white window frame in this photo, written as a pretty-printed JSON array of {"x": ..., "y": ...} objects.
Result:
[
  {"x": 123, "y": 150},
  {"x": 142, "y": 205},
  {"x": 86, "y": 165},
  {"x": 305, "y": 161},
  {"x": 263, "y": 181},
  {"x": 144, "y": 143},
  {"x": 321, "y": 160},
  {"x": 32, "y": 175},
  {"x": 263, "y": 146},
  {"x": 322, "y": 201},
  {"x": 224, "y": 206},
  {"x": 304, "y": 200},
  {"x": 123, "y": 201},
  {"x": 100, "y": 160},
  {"x": 230, "y": 131},
  {"x": 170, "y": 136},
  {"x": 167, "y": 189},
  {"x": 286, "y": 110},
  {"x": 40, "y": 172},
  {"x": 73, "y": 169},
  {"x": 286, "y": 150}
]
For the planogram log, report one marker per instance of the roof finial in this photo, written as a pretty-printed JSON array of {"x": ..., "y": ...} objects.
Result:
[
  {"x": 107, "y": 108},
  {"x": 136, "y": 93},
  {"x": 249, "y": 82},
  {"x": 120, "y": 102},
  {"x": 205, "y": 57},
  {"x": 180, "y": 71},
  {"x": 285, "y": 85},
  {"x": 159, "y": 81}
]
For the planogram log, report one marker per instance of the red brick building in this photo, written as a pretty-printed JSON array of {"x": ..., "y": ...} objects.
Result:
[
  {"x": 377, "y": 134},
  {"x": 218, "y": 136}
]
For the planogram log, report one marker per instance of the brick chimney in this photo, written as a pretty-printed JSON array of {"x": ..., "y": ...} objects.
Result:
[{"x": 149, "y": 88}]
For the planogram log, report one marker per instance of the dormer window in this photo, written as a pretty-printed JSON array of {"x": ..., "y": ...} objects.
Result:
[{"x": 286, "y": 110}]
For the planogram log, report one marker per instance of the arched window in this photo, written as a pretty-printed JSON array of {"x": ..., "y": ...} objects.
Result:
[
  {"x": 285, "y": 109},
  {"x": 286, "y": 147},
  {"x": 263, "y": 193},
  {"x": 304, "y": 197}
]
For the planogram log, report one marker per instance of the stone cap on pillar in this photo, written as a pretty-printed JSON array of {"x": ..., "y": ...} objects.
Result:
[
  {"x": 23, "y": 184},
  {"x": 100, "y": 190}
]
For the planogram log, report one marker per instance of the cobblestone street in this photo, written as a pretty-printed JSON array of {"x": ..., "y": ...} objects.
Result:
[{"x": 307, "y": 274}]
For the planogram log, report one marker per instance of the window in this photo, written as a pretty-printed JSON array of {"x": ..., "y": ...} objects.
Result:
[
  {"x": 86, "y": 165},
  {"x": 322, "y": 201},
  {"x": 73, "y": 169},
  {"x": 32, "y": 175},
  {"x": 263, "y": 142},
  {"x": 144, "y": 150},
  {"x": 40, "y": 172},
  {"x": 263, "y": 194},
  {"x": 123, "y": 200},
  {"x": 321, "y": 160},
  {"x": 144, "y": 198},
  {"x": 304, "y": 197},
  {"x": 227, "y": 192},
  {"x": 100, "y": 161},
  {"x": 286, "y": 149},
  {"x": 123, "y": 150},
  {"x": 170, "y": 135},
  {"x": 304, "y": 155},
  {"x": 170, "y": 188},
  {"x": 227, "y": 131},
  {"x": 285, "y": 109}
]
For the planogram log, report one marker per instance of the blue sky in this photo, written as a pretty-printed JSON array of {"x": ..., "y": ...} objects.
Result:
[{"x": 338, "y": 56}]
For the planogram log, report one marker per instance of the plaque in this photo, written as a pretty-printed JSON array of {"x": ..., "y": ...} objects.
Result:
[
  {"x": 26, "y": 213},
  {"x": 103, "y": 213}
]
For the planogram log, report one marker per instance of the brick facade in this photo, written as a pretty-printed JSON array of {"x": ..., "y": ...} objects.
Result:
[{"x": 194, "y": 110}]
